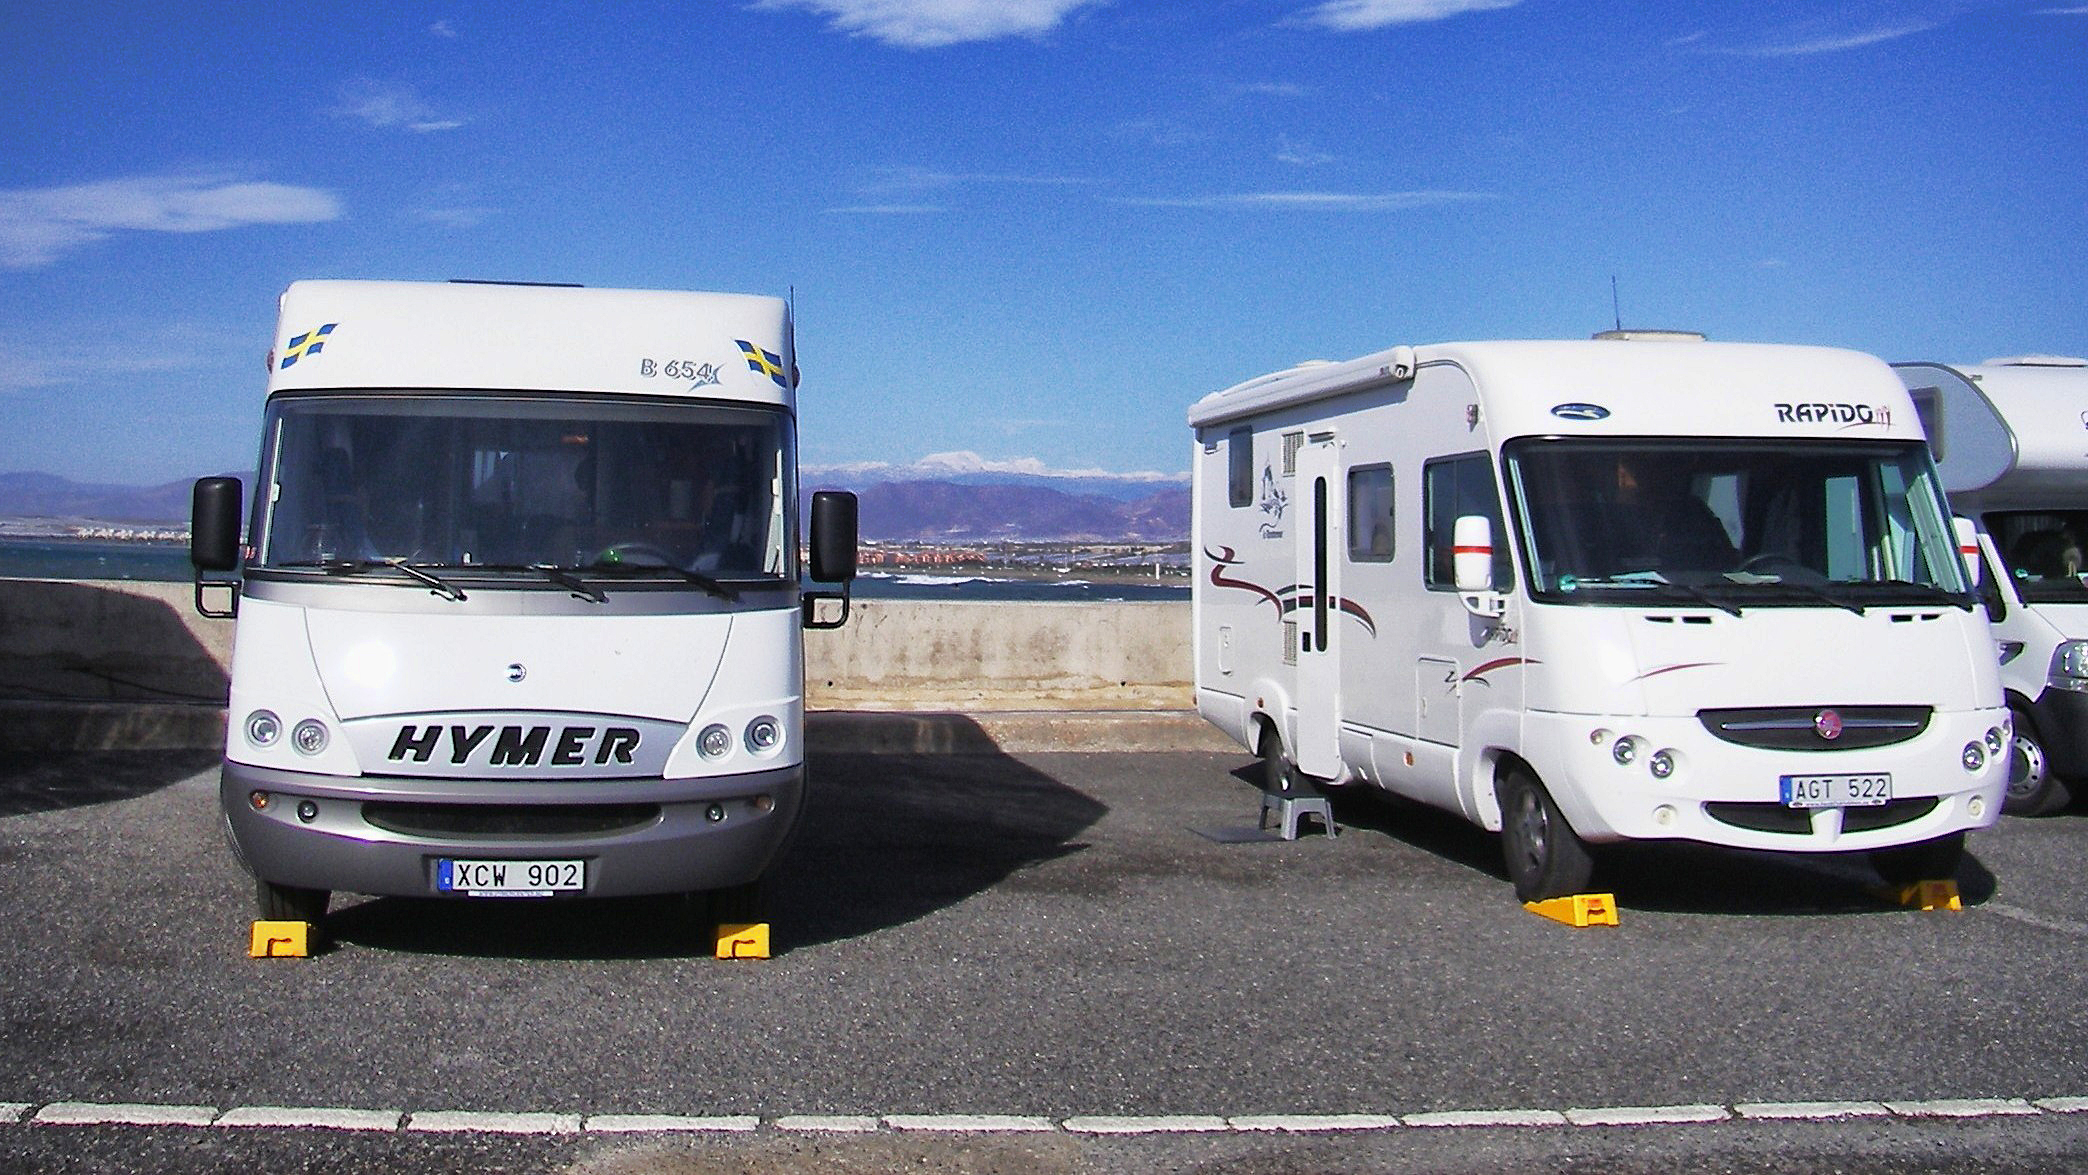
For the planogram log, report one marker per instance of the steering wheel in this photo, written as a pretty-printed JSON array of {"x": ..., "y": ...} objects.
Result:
[{"x": 634, "y": 553}]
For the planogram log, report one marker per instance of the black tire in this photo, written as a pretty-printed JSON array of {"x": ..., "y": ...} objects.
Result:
[
  {"x": 2033, "y": 789},
  {"x": 1280, "y": 776},
  {"x": 288, "y": 903},
  {"x": 739, "y": 904},
  {"x": 1930, "y": 860},
  {"x": 1545, "y": 857}
]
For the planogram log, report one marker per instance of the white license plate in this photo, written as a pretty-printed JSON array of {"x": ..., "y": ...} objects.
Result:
[
  {"x": 509, "y": 879},
  {"x": 1836, "y": 791}
]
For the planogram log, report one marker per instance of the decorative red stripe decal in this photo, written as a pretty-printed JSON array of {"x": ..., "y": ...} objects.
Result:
[{"x": 1671, "y": 668}]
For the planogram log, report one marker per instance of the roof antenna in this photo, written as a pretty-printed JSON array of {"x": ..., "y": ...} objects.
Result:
[{"x": 1616, "y": 308}]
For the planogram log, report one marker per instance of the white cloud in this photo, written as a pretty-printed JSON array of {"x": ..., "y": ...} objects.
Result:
[
  {"x": 918, "y": 179},
  {"x": 1839, "y": 27},
  {"x": 932, "y": 24},
  {"x": 1310, "y": 201},
  {"x": 1274, "y": 89},
  {"x": 102, "y": 355},
  {"x": 444, "y": 29},
  {"x": 1351, "y": 16},
  {"x": 890, "y": 209},
  {"x": 38, "y": 225},
  {"x": 389, "y": 106}
]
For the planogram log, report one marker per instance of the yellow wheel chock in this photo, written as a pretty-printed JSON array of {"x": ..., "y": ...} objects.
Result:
[
  {"x": 738, "y": 940},
  {"x": 280, "y": 940},
  {"x": 1928, "y": 896},
  {"x": 1581, "y": 909}
]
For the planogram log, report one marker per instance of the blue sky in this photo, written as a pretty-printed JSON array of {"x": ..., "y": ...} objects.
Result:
[{"x": 1035, "y": 230}]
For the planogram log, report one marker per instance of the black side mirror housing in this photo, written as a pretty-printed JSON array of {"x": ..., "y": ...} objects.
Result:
[
  {"x": 833, "y": 553},
  {"x": 214, "y": 513}
]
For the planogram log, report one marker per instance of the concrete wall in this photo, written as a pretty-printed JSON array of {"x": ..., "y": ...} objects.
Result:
[{"x": 117, "y": 641}]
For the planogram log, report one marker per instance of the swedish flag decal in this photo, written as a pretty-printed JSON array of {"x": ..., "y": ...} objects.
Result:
[
  {"x": 767, "y": 362},
  {"x": 308, "y": 343}
]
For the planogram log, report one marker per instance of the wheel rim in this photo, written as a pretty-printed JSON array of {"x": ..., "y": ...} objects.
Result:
[
  {"x": 2027, "y": 769},
  {"x": 1532, "y": 829}
]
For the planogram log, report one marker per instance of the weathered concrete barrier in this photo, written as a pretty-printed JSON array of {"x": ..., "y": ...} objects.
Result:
[{"x": 120, "y": 663}]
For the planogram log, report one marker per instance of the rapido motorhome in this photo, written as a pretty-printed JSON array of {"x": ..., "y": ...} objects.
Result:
[
  {"x": 519, "y": 610},
  {"x": 1584, "y": 592},
  {"x": 2010, "y": 439}
]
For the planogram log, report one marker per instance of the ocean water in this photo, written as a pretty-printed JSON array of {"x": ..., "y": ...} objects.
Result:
[{"x": 168, "y": 563}]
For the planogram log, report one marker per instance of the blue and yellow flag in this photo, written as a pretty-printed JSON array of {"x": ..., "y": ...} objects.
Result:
[
  {"x": 308, "y": 343},
  {"x": 767, "y": 362}
]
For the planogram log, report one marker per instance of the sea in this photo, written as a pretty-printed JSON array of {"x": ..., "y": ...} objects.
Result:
[{"x": 22, "y": 558}]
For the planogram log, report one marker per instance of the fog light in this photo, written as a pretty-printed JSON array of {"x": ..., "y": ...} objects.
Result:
[
  {"x": 309, "y": 736},
  {"x": 1996, "y": 738},
  {"x": 1626, "y": 752},
  {"x": 764, "y": 803},
  {"x": 263, "y": 728},
  {"x": 763, "y": 734},
  {"x": 715, "y": 742},
  {"x": 1974, "y": 757},
  {"x": 307, "y": 811},
  {"x": 714, "y": 813},
  {"x": 1664, "y": 815},
  {"x": 258, "y": 801},
  {"x": 1662, "y": 764},
  {"x": 1976, "y": 807}
]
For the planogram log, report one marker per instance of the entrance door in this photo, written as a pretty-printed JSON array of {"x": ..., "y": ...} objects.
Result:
[{"x": 1320, "y": 545}]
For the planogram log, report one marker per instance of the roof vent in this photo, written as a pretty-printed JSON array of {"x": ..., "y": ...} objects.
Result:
[
  {"x": 1650, "y": 336},
  {"x": 2037, "y": 361}
]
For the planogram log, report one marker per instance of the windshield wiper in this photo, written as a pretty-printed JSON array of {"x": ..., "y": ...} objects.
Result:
[
  {"x": 1698, "y": 595},
  {"x": 633, "y": 570},
  {"x": 1818, "y": 593},
  {"x": 436, "y": 583},
  {"x": 1926, "y": 591},
  {"x": 572, "y": 583}
]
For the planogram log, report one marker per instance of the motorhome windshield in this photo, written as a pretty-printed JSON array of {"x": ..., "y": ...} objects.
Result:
[
  {"x": 2041, "y": 550},
  {"x": 1732, "y": 524},
  {"x": 635, "y": 488}
]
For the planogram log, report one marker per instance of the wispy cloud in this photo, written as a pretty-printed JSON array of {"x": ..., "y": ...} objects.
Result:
[
  {"x": 923, "y": 179},
  {"x": 1303, "y": 154},
  {"x": 444, "y": 29},
  {"x": 1310, "y": 201},
  {"x": 1840, "y": 27},
  {"x": 891, "y": 209},
  {"x": 1273, "y": 89},
  {"x": 1351, "y": 16},
  {"x": 105, "y": 353},
  {"x": 932, "y": 24},
  {"x": 390, "y": 106},
  {"x": 39, "y": 225}
]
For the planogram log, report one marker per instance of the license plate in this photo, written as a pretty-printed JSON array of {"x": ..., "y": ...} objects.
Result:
[
  {"x": 509, "y": 879},
  {"x": 1836, "y": 791}
]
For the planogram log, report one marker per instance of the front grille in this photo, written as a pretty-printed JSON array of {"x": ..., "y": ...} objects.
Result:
[
  {"x": 1771, "y": 817},
  {"x": 509, "y": 821},
  {"x": 1797, "y": 728}
]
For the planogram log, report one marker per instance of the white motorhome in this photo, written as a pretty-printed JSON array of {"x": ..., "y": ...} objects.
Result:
[
  {"x": 1594, "y": 591},
  {"x": 2010, "y": 440},
  {"x": 519, "y": 605}
]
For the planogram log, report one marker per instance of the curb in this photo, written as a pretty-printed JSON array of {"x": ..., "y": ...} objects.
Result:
[{"x": 164, "y": 726}]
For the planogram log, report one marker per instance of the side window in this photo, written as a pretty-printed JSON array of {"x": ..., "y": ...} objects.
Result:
[
  {"x": 1370, "y": 514},
  {"x": 1451, "y": 488},
  {"x": 1239, "y": 467}
]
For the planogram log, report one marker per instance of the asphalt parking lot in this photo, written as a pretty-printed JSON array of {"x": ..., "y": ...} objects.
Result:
[{"x": 1040, "y": 962}]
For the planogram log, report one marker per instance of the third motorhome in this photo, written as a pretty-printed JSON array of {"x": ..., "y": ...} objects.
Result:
[
  {"x": 2010, "y": 438},
  {"x": 1604, "y": 590}
]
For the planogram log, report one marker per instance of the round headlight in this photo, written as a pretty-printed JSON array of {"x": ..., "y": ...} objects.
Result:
[
  {"x": 715, "y": 742},
  {"x": 763, "y": 734},
  {"x": 309, "y": 736},
  {"x": 1662, "y": 764},
  {"x": 1626, "y": 752},
  {"x": 1996, "y": 738},
  {"x": 263, "y": 728},
  {"x": 1974, "y": 757}
]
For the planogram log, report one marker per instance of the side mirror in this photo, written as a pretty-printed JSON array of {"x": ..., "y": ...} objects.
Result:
[
  {"x": 833, "y": 544},
  {"x": 1471, "y": 566},
  {"x": 214, "y": 510},
  {"x": 1968, "y": 549}
]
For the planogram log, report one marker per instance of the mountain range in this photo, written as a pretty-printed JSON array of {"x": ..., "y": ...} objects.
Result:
[{"x": 948, "y": 498}]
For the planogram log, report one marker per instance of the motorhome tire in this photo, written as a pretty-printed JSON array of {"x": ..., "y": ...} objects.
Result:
[
  {"x": 1280, "y": 776},
  {"x": 2033, "y": 789},
  {"x": 1930, "y": 860},
  {"x": 1544, "y": 856},
  {"x": 737, "y": 904},
  {"x": 289, "y": 903}
]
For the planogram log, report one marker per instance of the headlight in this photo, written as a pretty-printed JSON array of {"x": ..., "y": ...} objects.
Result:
[
  {"x": 263, "y": 728},
  {"x": 715, "y": 742},
  {"x": 309, "y": 736},
  {"x": 2069, "y": 666},
  {"x": 1626, "y": 752},
  {"x": 763, "y": 734},
  {"x": 1974, "y": 757},
  {"x": 1662, "y": 764},
  {"x": 1996, "y": 738}
]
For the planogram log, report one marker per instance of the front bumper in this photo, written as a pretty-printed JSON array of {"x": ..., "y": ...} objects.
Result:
[{"x": 383, "y": 836}]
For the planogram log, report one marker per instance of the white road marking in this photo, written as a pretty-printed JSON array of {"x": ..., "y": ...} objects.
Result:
[
  {"x": 124, "y": 1114},
  {"x": 1308, "y": 1123},
  {"x": 310, "y": 1118},
  {"x": 970, "y": 1123},
  {"x": 2041, "y": 921},
  {"x": 468, "y": 1122},
  {"x": 1647, "y": 1115},
  {"x": 1811, "y": 1111},
  {"x": 538, "y": 1123},
  {"x": 667, "y": 1123}
]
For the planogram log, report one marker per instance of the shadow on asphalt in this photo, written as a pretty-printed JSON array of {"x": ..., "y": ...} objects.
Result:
[
  {"x": 884, "y": 840},
  {"x": 1663, "y": 877},
  {"x": 50, "y": 781}
]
